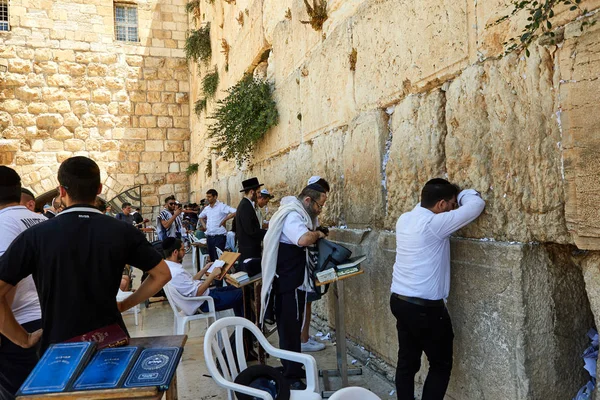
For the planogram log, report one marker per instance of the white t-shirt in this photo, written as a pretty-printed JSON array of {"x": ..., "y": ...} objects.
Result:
[
  {"x": 184, "y": 283},
  {"x": 13, "y": 221},
  {"x": 214, "y": 216}
]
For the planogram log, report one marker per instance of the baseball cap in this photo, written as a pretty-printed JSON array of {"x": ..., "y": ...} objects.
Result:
[{"x": 265, "y": 193}]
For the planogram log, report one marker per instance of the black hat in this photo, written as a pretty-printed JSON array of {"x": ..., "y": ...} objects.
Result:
[
  {"x": 251, "y": 183},
  {"x": 263, "y": 377}
]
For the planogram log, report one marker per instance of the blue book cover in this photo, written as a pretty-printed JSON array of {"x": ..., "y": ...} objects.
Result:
[
  {"x": 108, "y": 369},
  {"x": 154, "y": 367},
  {"x": 58, "y": 368}
]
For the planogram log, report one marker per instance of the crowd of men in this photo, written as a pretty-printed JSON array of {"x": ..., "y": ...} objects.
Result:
[{"x": 49, "y": 282}]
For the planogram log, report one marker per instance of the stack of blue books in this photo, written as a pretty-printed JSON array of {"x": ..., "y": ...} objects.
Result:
[{"x": 67, "y": 367}]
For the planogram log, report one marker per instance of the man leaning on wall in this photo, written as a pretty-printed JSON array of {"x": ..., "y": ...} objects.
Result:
[{"x": 421, "y": 284}]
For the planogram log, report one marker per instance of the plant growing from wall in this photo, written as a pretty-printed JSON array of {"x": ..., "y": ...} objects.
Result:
[
  {"x": 199, "y": 106},
  {"x": 208, "y": 168},
  {"x": 191, "y": 169},
  {"x": 540, "y": 12},
  {"x": 317, "y": 13},
  {"x": 242, "y": 118},
  {"x": 352, "y": 59},
  {"x": 240, "y": 18},
  {"x": 210, "y": 82},
  {"x": 197, "y": 44},
  {"x": 193, "y": 7},
  {"x": 288, "y": 14},
  {"x": 225, "y": 50}
]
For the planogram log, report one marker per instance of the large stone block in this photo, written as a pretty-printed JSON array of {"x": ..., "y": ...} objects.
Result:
[
  {"x": 502, "y": 132},
  {"x": 578, "y": 66},
  {"x": 412, "y": 47},
  {"x": 362, "y": 180},
  {"x": 416, "y": 152}
]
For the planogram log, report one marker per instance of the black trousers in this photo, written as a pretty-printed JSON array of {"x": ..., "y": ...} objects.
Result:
[
  {"x": 214, "y": 241},
  {"x": 16, "y": 362},
  {"x": 289, "y": 314},
  {"x": 422, "y": 329}
]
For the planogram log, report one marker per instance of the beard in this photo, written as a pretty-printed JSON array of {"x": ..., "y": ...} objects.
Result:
[{"x": 309, "y": 210}]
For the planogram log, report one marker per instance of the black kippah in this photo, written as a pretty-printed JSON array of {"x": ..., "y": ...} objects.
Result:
[
  {"x": 8, "y": 176},
  {"x": 168, "y": 242},
  {"x": 316, "y": 187}
]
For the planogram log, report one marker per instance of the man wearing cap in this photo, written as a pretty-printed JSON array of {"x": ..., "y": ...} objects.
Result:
[
  {"x": 77, "y": 272},
  {"x": 216, "y": 215},
  {"x": 284, "y": 268},
  {"x": 16, "y": 362},
  {"x": 248, "y": 227},
  {"x": 263, "y": 199}
]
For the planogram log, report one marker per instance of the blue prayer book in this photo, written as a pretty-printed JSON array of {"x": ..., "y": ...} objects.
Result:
[
  {"x": 58, "y": 368},
  {"x": 108, "y": 369},
  {"x": 154, "y": 367}
]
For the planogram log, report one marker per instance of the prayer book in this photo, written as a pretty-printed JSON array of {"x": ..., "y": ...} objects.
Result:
[
  {"x": 108, "y": 336},
  {"x": 154, "y": 367},
  {"x": 216, "y": 264},
  {"x": 351, "y": 262},
  {"x": 240, "y": 277},
  {"x": 108, "y": 369},
  {"x": 58, "y": 368}
]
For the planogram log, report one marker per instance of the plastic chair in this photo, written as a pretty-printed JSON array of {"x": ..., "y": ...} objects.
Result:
[
  {"x": 354, "y": 393},
  {"x": 182, "y": 320},
  {"x": 121, "y": 295},
  {"x": 218, "y": 332}
]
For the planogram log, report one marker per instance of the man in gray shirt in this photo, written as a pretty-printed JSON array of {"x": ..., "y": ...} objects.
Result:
[{"x": 126, "y": 215}]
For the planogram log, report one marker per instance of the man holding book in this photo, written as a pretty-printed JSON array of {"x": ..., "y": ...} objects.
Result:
[
  {"x": 421, "y": 284},
  {"x": 225, "y": 297},
  {"x": 77, "y": 273}
]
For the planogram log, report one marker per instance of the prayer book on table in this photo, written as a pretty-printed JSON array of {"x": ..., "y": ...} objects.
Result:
[
  {"x": 154, "y": 367},
  {"x": 107, "y": 369},
  {"x": 239, "y": 277},
  {"x": 58, "y": 368},
  {"x": 351, "y": 262},
  {"x": 108, "y": 336}
]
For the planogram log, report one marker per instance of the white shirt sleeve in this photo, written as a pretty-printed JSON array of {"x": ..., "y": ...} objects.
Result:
[
  {"x": 229, "y": 209},
  {"x": 294, "y": 227},
  {"x": 471, "y": 205}
]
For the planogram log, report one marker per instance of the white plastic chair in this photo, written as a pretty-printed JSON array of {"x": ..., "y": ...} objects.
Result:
[
  {"x": 212, "y": 352},
  {"x": 121, "y": 295},
  {"x": 182, "y": 320},
  {"x": 354, "y": 393}
]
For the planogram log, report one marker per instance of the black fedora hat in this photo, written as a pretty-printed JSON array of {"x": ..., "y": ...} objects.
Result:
[{"x": 251, "y": 183}]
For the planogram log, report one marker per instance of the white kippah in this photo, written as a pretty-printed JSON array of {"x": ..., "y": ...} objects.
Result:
[{"x": 313, "y": 179}]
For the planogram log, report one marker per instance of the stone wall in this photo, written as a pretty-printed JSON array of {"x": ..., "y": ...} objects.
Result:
[
  {"x": 432, "y": 95},
  {"x": 71, "y": 89}
]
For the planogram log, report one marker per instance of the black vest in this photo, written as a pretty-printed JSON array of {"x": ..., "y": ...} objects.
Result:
[{"x": 291, "y": 264}]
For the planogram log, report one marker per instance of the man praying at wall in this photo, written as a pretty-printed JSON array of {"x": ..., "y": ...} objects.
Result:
[{"x": 421, "y": 284}]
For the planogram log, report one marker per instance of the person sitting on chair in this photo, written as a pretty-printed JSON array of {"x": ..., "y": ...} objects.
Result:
[{"x": 225, "y": 297}]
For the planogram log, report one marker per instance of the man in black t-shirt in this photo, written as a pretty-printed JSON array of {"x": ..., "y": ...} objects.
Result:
[{"x": 77, "y": 273}]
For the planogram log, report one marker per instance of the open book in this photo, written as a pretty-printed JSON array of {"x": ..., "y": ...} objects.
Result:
[{"x": 351, "y": 262}]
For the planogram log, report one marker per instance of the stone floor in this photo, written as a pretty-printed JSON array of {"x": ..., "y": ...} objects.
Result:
[{"x": 192, "y": 373}]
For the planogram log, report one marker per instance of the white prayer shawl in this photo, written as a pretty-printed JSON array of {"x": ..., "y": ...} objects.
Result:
[{"x": 271, "y": 246}]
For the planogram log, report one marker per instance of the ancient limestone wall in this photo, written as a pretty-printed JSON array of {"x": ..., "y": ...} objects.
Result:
[
  {"x": 431, "y": 95},
  {"x": 71, "y": 89}
]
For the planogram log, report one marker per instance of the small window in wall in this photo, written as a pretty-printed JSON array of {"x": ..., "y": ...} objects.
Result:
[
  {"x": 3, "y": 15},
  {"x": 126, "y": 22}
]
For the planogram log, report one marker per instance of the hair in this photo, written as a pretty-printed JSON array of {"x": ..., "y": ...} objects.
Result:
[
  {"x": 324, "y": 184},
  {"x": 27, "y": 192},
  {"x": 437, "y": 189},
  {"x": 169, "y": 198},
  {"x": 213, "y": 192},
  {"x": 101, "y": 207},
  {"x": 125, "y": 205},
  {"x": 169, "y": 245},
  {"x": 309, "y": 191},
  {"x": 137, "y": 209},
  {"x": 80, "y": 177},
  {"x": 10, "y": 186}
]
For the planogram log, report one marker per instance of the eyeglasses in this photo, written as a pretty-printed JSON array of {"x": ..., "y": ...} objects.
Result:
[
  {"x": 172, "y": 204},
  {"x": 318, "y": 205}
]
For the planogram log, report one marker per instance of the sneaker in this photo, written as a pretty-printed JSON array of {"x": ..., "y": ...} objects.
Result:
[{"x": 312, "y": 345}]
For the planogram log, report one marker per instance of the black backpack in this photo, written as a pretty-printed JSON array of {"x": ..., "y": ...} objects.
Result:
[{"x": 322, "y": 256}]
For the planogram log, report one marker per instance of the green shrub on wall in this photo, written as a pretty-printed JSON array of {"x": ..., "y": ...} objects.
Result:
[
  {"x": 199, "y": 106},
  {"x": 197, "y": 44},
  {"x": 210, "y": 82},
  {"x": 242, "y": 118}
]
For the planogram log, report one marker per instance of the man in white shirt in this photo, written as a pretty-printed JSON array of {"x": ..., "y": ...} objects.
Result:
[
  {"x": 421, "y": 284},
  {"x": 16, "y": 362},
  {"x": 225, "y": 297},
  {"x": 216, "y": 215}
]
